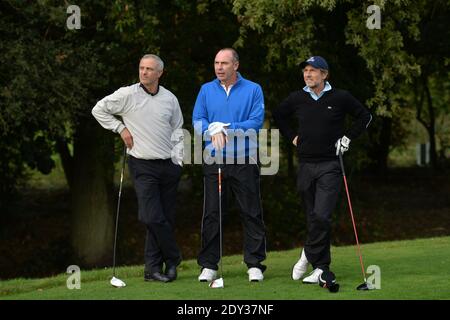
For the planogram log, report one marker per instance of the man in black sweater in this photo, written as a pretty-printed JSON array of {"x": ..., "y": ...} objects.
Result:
[{"x": 320, "y": 111}]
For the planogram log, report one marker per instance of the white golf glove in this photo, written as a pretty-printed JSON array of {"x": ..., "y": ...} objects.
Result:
[
  {"x": 216, "y": 127},
  {"x": 342, "y": 145}
]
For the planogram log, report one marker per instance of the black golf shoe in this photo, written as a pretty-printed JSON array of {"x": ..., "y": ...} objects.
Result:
[
  {"x": 156, "y": 276},
  {"x": 171, "y": 273},
  {"x": 328, "y": 280}
]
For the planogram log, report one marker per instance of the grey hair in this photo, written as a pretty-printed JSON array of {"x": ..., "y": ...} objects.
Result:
[
  {"x": 156, "y": 58},
  {"x": 327, "y": 73},
  {"x": 233, "y": 52}
]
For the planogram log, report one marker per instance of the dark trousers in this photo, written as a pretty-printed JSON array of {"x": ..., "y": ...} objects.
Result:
[
  {"x": 319, "y": 185},
  {"x": 243, "y": 181},
  {"x": 156, "y": 183}
]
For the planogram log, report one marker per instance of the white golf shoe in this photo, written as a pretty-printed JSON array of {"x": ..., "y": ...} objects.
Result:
[
  {"x": 207, "y": 275},
  {"x": 313, "y": 277},
  {"x": 255, "y": 274},
  {"x": 300, "y": 267}
]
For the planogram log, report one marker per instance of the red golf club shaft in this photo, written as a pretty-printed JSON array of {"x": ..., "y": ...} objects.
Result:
[
  {"x": 354, "y": 228},
  {"x": 351, "y": 214}
]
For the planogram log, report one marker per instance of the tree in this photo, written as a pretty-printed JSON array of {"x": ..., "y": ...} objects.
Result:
[
  {"x": 52, "y": 80},
  {"x": 73, "y": 69},
  {"x": 292, "y": 30},
  {"x": 431, "y": 52}
]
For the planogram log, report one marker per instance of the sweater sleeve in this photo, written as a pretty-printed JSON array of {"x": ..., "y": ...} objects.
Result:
[
  {"x": 200, "y": 114},
  {"x": 361, "y": 115},
  {"x": 117, "y": 103},
  {"x": 282, "y": 116},
  {"x": 256, "y": 117}
]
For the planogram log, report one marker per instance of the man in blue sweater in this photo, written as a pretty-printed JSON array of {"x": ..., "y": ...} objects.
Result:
[
  {"x": 228, "y": 113},
  {"x": 320, "y": 111}
]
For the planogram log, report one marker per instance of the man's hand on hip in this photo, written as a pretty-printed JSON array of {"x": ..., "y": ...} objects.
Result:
[{"x": 127, "y": 138}]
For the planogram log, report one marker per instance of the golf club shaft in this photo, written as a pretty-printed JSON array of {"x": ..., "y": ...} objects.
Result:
[
  {"x": 351, "y": 214},
  {"x": 118, "y": 208},
  {"x": 220, "y": 218}
]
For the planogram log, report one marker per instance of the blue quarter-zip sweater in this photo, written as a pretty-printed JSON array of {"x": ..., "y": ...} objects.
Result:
[{"x": 243, "y": 108}]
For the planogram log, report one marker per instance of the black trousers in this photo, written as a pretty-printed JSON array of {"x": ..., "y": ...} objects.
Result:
[
  {"x": 156, "y": 183},
  {"x": 243, "y": 181},
  {"x": 319, "y": 185}
]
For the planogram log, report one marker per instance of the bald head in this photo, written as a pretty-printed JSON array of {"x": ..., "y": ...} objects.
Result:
[
  {"x": 233, "y": 53},
  {"x": 226, "y": 65}
]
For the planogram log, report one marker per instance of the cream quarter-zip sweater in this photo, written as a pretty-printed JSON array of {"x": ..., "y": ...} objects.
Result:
[{"x": 154, "y": 121}]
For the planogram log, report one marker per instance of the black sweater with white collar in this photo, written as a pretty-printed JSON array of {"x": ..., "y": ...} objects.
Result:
[{"x": 321, "y": 122}]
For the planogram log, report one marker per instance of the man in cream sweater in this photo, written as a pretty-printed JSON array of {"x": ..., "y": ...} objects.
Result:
[{"x": 151, "y": 130}]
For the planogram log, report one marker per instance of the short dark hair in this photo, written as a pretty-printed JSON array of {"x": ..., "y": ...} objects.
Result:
[{"x": 233, "y": 52}]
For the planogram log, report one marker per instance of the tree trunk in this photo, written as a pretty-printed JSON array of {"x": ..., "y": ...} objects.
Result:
[
  {"x": 431, "y": 126},
  {"x": 380, "y": 134},
  {"x": 66, "y": 160},
  {"x": 92, "y": 194},
  {"x": 385, "y": 143}
]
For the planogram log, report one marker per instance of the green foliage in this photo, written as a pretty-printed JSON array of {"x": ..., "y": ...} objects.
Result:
[
  {"x": 287, "y": 29},
  {"x": 412, "y": 41},
  {"x": 53, "y": 76},
  {"x": 383, "y": 50},
  {"x": 290, "y": 30}
]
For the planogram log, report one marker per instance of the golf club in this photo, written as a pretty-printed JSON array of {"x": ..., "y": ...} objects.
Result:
[
  {"x": 116, "y": 282},
  {"x": 365, "y": 285},
  {"x": 218, "y": 283}
]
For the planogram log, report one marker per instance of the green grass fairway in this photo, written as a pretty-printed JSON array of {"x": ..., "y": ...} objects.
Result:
[{"x": 415, "y": 269}]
